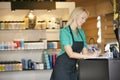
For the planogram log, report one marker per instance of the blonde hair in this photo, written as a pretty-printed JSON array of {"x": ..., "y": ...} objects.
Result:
[{"x": 75, "y": 12}]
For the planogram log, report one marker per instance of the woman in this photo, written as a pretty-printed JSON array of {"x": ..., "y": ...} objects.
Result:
[{"x": 73, "y": 47}]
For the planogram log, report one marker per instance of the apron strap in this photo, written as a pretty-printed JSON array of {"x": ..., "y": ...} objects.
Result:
[
  {"x": 71, "y": 34},
  {"x": 78, "y": 33}
]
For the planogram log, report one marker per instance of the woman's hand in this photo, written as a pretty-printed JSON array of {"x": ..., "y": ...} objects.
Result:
[
  {"x": 95, "y": 54},
  {"x": 87, "y": 54}
]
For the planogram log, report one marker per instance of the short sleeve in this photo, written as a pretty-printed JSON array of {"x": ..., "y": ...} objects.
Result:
[{"x": 64, "y": 37}]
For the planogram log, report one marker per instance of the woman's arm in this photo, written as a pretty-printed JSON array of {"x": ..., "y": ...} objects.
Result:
[{"x": 83, "y": 54}]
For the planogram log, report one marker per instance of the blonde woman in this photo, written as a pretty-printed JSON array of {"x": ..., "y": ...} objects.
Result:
[{"x": 73, "y": 46}]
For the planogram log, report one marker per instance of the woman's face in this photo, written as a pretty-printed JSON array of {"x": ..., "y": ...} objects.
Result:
[{"x": 81, "y": 18}]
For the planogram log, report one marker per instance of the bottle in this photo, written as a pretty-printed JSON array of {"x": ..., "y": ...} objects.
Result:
[{"x": 110, "y": 55}]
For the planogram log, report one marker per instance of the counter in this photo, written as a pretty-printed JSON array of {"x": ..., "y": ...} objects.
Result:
[{"x": 99, "y": 69}]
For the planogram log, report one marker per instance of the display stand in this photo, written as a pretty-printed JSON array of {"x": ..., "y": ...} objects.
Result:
[
  {"x": 118, "y": 11},
  {"x": 116, "y": 20},
  {"x": 119, "y": 30}
]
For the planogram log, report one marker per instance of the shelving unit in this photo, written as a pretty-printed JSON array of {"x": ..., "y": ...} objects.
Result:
[
  {"x": 26, "y": 75},
  {"x": 19, "y": 54},
  {"x": 52, "y": 34},
  {"x": 29, "y": 35}
]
